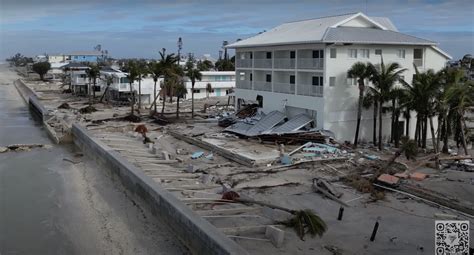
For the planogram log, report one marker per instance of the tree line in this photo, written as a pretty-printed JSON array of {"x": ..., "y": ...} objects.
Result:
[{"x": 445, "y": 95}]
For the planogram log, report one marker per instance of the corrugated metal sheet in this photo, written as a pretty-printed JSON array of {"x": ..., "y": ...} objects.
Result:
[
  {"x": 293, "y": 124},
  {"x": 269, "y": 121},
  {"x": 240, "y": 128},
  {"x": 371, "y": 35}
]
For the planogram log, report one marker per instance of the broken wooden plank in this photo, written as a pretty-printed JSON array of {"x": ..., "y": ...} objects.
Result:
[{"x": 329, "y": 195}]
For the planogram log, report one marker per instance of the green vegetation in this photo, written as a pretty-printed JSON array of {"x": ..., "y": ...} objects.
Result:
[{"x": 41, "y": 68}]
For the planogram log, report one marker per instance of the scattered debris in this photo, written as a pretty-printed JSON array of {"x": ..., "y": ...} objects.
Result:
[
  {"x": 64, "y": 106},
  {"x": 388, "y": 179},
  {"x": 87, "y": 109},
  {"x": 22, "y": 147},
  {"x": 197, "y": 155}
]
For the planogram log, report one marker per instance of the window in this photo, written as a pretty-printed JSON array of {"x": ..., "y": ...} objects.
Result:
[
  {"x": 401, "y": 53},
  {"x": 124, "y": 80},
  {"x": 317, "y": 81},
  {"x": 292, "y": 79},
  {"x": 292, "y": 54},
  {"x": 418, "y": 54},
  {"x": 268, "y": 78},
  {"x": 364, "y": 53},
  {"x": 97, "y": 88},
  {"x": 352, "y": 53},
  {"x": 269, "y": 54},
  {"x": 378, "y": 52},
  {"x": 333, "y": 53},
  {"x": 332, "y": 81},
  {"x": 351, "y": 81},
  {"x": 318, "y": 54},
  {"x": 251, "y": 55},
  {"x": 196, "y": 91},
  {"x": 251, "y": 77}
]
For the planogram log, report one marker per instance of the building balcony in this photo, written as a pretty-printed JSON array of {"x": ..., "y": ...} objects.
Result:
[
  {"x": 243, "y": 63},
  {"x": 243, "y": 84},
  {"x": 262, "y": 86},
  {"x": 310, "y": 90},
  {"x": 263, "y": 63},
  {"x": 284, "y": 88},
  {"x": 311, "y": 63},
  {"x": 284, "y": 63}
]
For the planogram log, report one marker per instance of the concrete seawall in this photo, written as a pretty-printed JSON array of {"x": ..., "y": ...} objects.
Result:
[
  {"x": 30, "y": 97},
  {"x": 196, "y": 233}
]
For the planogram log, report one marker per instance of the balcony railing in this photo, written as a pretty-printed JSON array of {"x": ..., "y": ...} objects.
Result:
[
  {"x": 263, "y": 63},
  {"x": 245, "y": 63},
  {"x": 244, "y": 84},
  {"x": 284, "y": 63},
  {"x": 310, "y": 90},
  {"x": 418, "y": 62},
  {"x": 262, "y": 86},
  {"x": 311, "y": 63},
  {"x": 286, "y": 88}
]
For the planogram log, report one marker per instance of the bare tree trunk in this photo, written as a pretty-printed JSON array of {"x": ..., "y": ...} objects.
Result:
[
  {"x": 392, "y": 128},
  {"x": 164, "y": 101},
  {"x": 154, "y": 96},
  {"x": 445, "y": 135},
  {"x": 177, "y": 107},
  {"x": 375, "y": 123},
  {"x": 380, "y": 125},
  {"x": 105, "y": 92},
  {"x": 93, "y": 89},
  {"x": 463, "y": 138},
  {"x": 139, "y": 93},
  {"x": 417, "y": 130},
  {"x": 132, "y": 103},
  {"x": 433, "y": 136},
  {"x": 359, "y": 115},
  {"x": 192, "y": 99},
  {"x": 408, "y": 124},
  {"x": 438, "y": 130},
  {"x": 425, "y": 130},
  {"x": 396, "y": 131},
  {"x": 89, "y": 92}
]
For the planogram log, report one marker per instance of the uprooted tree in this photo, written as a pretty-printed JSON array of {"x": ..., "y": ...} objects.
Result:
[{"x": 41, "y": 68}]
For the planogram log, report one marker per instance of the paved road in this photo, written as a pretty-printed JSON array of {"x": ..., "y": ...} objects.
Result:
[{"x": 51, "y": 206}]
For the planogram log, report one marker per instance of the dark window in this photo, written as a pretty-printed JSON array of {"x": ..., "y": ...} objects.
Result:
[
  {"x": 321, "y": 81},
  {"x": 378, "y": 52},
  {"x": 197, "y": 91},
  {"x": 292, "y": 79},
  {"x": 251, "y": 77},
  {"x": 333, "y": 53},
  {"x": 321, "y": 54},
  {"x": 268, "y": 78},
  {"x": 269, "y": 55},
  {"x": 315, "y": 81},
  {"x": 251, "y": 55},
  {"x": 315, "y": 53},
  {"x": 97, "y": 88},
  {"x": 417, "y": 53},
  {"x": 292, "y": 54}
]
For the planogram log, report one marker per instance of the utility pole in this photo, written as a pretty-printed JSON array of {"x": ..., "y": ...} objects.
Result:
[{"x": 224, "y": 44}]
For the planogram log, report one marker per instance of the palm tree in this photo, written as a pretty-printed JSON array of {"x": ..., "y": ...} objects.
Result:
[
  {"x": 424, "y": 92},
  {"x": 208, "y": 89},
  {"x": 108, "y": 81},
  {"x": 384, "y": 77},
  {"x": 371, "y": 98},
  {"x": 132, "y": 75},
  {"x": 193, "y": 74},
  {"x": 462, "y": 96},
  {"x": 156, "y": 71},
  {"x": 170, "y": 69},
  {"x": 93, "y": 72},
  {"x": 360, "y": 72},
  {"x": 180, "y": 91}
]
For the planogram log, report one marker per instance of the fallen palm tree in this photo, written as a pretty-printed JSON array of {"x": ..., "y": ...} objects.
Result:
[{"x": 303, "y": 221}]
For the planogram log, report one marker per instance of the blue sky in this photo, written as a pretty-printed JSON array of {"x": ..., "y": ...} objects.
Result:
[{"x": 141, "y": 28}]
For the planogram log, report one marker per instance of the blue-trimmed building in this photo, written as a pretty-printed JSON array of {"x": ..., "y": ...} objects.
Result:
[{"x": 85, "y": 56}]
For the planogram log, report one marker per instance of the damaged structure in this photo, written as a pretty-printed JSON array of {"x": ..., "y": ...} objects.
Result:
[{"x": 301, "y": 67}]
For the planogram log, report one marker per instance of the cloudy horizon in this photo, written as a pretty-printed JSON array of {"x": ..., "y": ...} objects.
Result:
[{"x": 142, "y": 28}]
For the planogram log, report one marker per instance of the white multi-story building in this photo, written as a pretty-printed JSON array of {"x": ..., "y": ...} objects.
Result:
[
  {"x": 301, "y": 67},
  {"x": 221, "y": 84}
]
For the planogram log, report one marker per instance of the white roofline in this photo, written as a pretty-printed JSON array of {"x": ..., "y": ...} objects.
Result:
[
  {"x": 442, "y": 52},
  {"x": 359, "y": 14},
  {"x": 324, "y": 42}
]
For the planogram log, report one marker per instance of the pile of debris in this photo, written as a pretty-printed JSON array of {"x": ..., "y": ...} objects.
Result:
[{"x": 22, "y": 147}]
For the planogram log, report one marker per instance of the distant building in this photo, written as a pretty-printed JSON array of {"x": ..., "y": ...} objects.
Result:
[
  {"x": 56, "y": 58},
  {"x": 84, "y": 56},
  {"x": 301, "y": 67},
  {"x": 221, "y": 84},
  {"x": 77, "y": 77}
]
